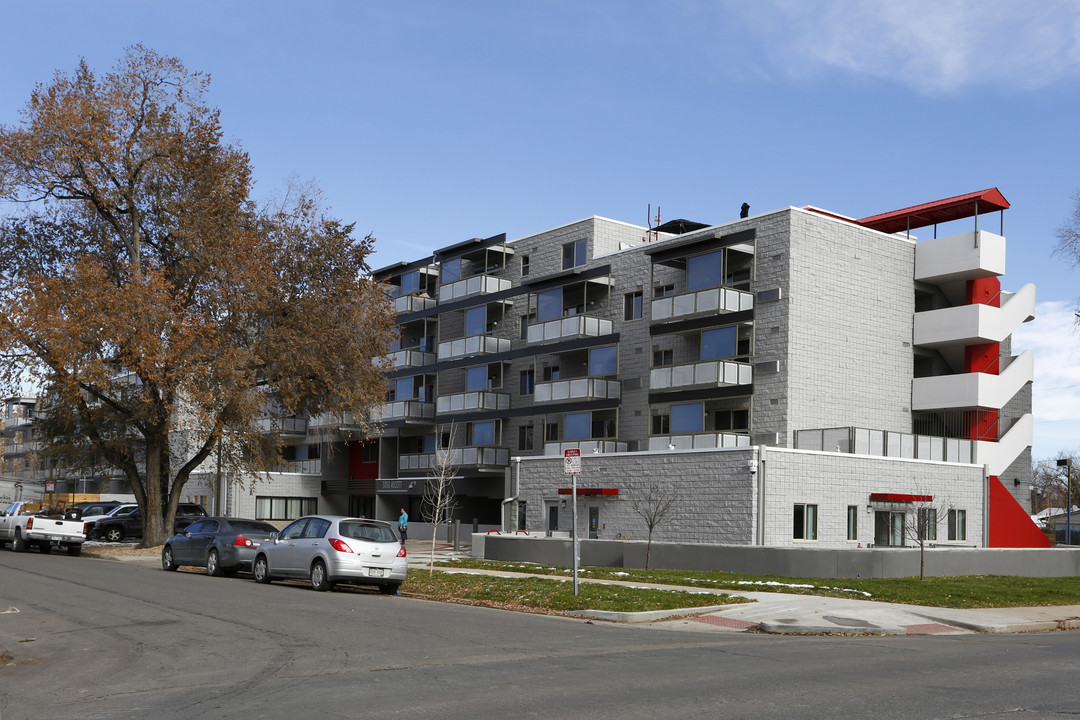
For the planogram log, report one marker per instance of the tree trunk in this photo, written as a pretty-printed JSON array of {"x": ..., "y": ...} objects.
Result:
[{"x": 648, "y": 551}]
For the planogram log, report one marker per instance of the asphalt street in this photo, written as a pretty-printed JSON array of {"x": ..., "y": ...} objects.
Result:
[{"x": 96, "y": 638}]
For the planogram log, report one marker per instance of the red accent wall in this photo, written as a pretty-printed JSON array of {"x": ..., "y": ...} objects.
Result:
[
  {"x": 358, "y": 469},
  {"x": 1010, "y": 525},
  {"x": 984, "y": 291}
]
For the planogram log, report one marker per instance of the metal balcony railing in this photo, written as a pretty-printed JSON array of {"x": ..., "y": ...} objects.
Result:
[
  {"x": 711, "y": 301},
  {"x": 577, "y": 389},
  {"x": 715, "y": 373},
  {"x": 472, "y": 345},
  {"x": 481, "y": 458},
  {"x": 411, "y": 358},
  {"x": 408, "y": 410},
  {"x": 568, "y": 327},
  {"x": 477, "y": 285},
  {"x": 470, "y": 401},
  {"x": 697, "y": 441}
]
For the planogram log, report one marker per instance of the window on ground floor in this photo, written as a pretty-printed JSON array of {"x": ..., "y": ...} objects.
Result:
[
  {"x": 805, "y": 522},
  {"x": 888, "y": 528},
  {"x": 852, "y": 522},
  {"x": 958, "y": 524},
  {"x": 268, "y": 507}
]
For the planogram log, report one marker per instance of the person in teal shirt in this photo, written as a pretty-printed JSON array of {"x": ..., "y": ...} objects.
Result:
[{"x": 403, "y": 525}]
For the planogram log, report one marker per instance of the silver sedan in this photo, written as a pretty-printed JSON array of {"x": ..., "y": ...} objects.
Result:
[{"x": 333, "y": 549}]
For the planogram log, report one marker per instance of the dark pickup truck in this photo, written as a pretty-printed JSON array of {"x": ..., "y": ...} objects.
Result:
[{"x": 130, "y": 526}]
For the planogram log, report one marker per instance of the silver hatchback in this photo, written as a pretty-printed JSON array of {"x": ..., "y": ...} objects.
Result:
[{"x": 333, "y": 549}]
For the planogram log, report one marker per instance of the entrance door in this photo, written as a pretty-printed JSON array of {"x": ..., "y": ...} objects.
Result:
[
  {"x": 594, "y": 522},
  {"x": 888, "y": 528},
  {"x": 553, "y": 517}
]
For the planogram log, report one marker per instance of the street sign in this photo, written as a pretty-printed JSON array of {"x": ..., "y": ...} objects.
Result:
[
  {"x": 572, "y": 462},
  {"x": 50, "y": 486}
]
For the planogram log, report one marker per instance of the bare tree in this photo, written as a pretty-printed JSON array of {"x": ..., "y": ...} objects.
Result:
[
  {"x": 1048, "y": 486},
  {"x": 923, "y": 530},
  {"x": 439, "y": 500},
  {"x": 653, "y": 504},
  {"x": 1068, "y": 236}
]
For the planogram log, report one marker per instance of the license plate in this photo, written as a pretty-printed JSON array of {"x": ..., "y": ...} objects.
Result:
[{"x": 375, "y": 572}]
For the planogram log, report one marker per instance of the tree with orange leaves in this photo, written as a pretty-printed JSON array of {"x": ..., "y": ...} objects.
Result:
[{"x": 158, "y": 310}]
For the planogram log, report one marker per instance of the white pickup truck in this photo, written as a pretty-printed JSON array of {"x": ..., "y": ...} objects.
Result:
[{"x": 45, "y": 533}]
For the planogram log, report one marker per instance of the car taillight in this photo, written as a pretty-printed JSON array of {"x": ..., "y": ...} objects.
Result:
[
  {"x": 401, "y": 552},
  {"x": 29, "y": 523},
  {"x": 242, "y": 541},
  {"x": 339, "y": 545},
  {"x": 86, "y": 528}
]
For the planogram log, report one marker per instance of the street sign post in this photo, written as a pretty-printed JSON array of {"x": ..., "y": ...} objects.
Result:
[{"x": 572, "y": 467}]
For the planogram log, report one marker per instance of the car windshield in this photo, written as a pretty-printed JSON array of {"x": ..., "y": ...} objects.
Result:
[{"x": 366, "y": 531}]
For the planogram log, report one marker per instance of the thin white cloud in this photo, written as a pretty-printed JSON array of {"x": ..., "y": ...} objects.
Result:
[
  {"x": 1055, "y": 339},
  {"x": 933, "y": 46}
]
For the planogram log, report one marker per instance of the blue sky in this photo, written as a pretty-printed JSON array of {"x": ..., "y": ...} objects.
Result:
[{"x": 432, "y": 122}]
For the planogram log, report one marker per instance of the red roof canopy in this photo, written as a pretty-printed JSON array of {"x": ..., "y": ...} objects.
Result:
[{"x": 939, "y": 211}]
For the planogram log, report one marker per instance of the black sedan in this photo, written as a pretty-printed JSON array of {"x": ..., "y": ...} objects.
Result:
[
  {"x": 222, "y": 545},
  {"x": 130, "y": 526}
]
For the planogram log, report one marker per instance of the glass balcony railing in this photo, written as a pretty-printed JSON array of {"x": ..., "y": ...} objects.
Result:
[
  {"x": 481, "y": 458},
  {"x": 408, "y": 410},
  {"x": 586, "y": 447},
  {"x": 568, "y": 327},
  {"x": 479, "y": 400},
  {"x": 698, "y": 441},
  {"x": 714, "y": 373},
  {"x": 472, "y": 345},
  {"x": 413, "y": 303},
  {"x": 411, "y": 358},
  {"x": 715, "y": 301},
  {"x": 298, "y": 467},
  {"x": 577, "y": 389},
  {"x": 286, "y": 426},
  {"x": 477, "y": 285}
]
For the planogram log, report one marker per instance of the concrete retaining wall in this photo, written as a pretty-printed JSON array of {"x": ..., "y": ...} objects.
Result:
[{"x": 794, "y": 562}]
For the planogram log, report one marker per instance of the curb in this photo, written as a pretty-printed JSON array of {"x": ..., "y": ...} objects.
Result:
[
  {"x": 647, "y": 616},
  {"x": 780, "y": 628}
]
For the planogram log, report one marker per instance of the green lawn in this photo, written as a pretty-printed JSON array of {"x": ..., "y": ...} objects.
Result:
[
  {"x": 549, "y": 595},
  {"x": 972, "y": 591}
]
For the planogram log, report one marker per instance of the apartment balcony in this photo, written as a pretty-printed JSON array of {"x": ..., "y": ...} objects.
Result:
[
  {"x": 411, "y": 359},
  {"x": 285, "y": 426},
  {"x": 409, "y": 411},
  {"x": 476, "y": 285},
  {"x": 587, "y": 447},
  {"x": 697, "y": 441},
  {"x": 973, "y": 390},
  {"x": 712, "y": 373},
  {"x": 576, "y": 326},
  {"x": 495, "y": 459},
  {"x": 472, "y": 401},
  {"x": 976, "y": 323},
  {"x": 577, "y": 389},
  {"x": 298, "y": 467},
  {"x": 886, "y": 443},
  {"x": 713, "y": 301},
  {"x": 472, "y": 345},
  {"x": 967, "y": 256},
  {"x": 413, "y": 303}
]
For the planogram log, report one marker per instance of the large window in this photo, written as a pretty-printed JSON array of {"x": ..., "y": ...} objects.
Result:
[
  {"x": 719, "y": 343},
  {"x": 475, "y": 321},
  {"x": 958, "y": 524},
  {"x": 410, "y": 282},
  {"x": 549, "y": 305},
  {"x": 476, "y": 378},
  {"x": 805, "y": 522},
  {"x": 688, "y": 418},
  {"x": 604, "y": 360},
  {"x": 704, "y": 271},
  {"x": 928, "y": 520},
  {"x": 404, "y": 389},
  {"x": 888, "y": 528},
  {"x": 451, "y": 270},
  {"x": 284, "y": 508},
  {"x": 578, "y": 426},
  {"x": 528, "y": 382},
  {"x": 483, "y": 433},
  {"x": 573, "y": 254},
  {"x": 632, "y": 305}
]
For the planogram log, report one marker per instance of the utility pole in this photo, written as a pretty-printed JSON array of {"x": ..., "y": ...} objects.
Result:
[{"x": 1067, "y": 464}]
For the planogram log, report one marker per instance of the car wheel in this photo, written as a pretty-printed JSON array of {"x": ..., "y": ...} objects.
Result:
[
  {"x": 389, "y": 589},
  {"x": 260, "y": 571},
  {"x": 167, "y": 560},
  {"x": 17, "y": 543},
  {"x": 74, "y": 550},
  {"x": 45, "y": 548},
  {"x": 319, "y": 580},
  {"x": 213, "y": 564},
  {"x": 114, "y": 534}
]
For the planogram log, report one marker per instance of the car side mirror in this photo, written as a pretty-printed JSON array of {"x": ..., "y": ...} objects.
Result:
[{"x": 274, "y": 537}]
